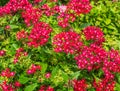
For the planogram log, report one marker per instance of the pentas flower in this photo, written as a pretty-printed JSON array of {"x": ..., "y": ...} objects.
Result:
[
  {"x": 14, "y": 5},
  {"x": 7, "y": 87},
  {"x": 104, "y": 85},
  {"x": 19, "y": 52},
  {"x": 48, "y": 11},
  {"x": 64, "y": 19},
  {"x": 7, "y": 73},
  {"x": 94, "y": 33},
  {"x": 113, "y": 63},
  {"x": 7, "y": 27},
  {"x": 33, "y": 69},
  {"x": 91, "y": 57},
  {"x": 2, "y": 52},
  {"x": 62, "y": 8},
  {"x": 79, "y": 6},
  {"x": 31, "y": 16},
  {"x": 68, "y": 42},
  {"x": 37, "y": 1},
  {"x": 46, "y": 88},
  {"x": 47, "y": 75},
  {"x": 80, "y": 85},
  {"x": 39, "y": 35},
  {"x": 21, "y": 35},
  {"x": 17, "y": 84}
]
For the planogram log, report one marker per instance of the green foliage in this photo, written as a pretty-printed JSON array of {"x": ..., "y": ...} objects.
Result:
[{"x": 106, "y": 15}]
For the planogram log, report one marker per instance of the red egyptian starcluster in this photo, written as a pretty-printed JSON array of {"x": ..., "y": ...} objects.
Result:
[
  {"x": 94, "y": 33},
  {"x": 31, "y": 15},
  {"x": 13, "y": 6},
  {"x": 19, "y": 52},
  {"x": 104, "y": 85},
  {"x": 2, "y": 52},
  {"x": 7, "y": 73},
  {"x": 68, "y": 42},
  {"x": 80, "y": 85},
  {"x": 21, "y": 35},
  {"x": 64, "y": 19},
  {"x": 79, "y": 6},
  {"x": 33, "y": 69},
  {"x": 46, "y": 88},
  {"x": 5, "y": 86},
  {"x": 39, "y": 34},
  {"x": 91, "y": 57},
  {"x": 112, "y": 65}
]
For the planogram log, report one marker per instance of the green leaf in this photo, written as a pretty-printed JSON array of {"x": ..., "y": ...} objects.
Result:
[
  {"x": 15, "y": 46},
  {"x": 31, "y": 87},
  {"x": 44, "y": 67},
  {"x": 54, "y": 72},
  {"x": 65, "y": 76},
  {"x": 71, "y": 89},
  {"x": 107, "y": 21},
  {"x": 14, "y": 26},
  {"x": 23, "y": 79},
  {"x": 91, "y": 89},
  {"x": 85, "y": 25},
  {"x": 75, "y": 75},
  {"x": 118, "y": 77},
  {"x": 117, "y": 87}
]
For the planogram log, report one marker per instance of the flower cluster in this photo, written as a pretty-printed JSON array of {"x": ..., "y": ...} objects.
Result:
[
  {"x": 7, "y": 73},
  {"x": 104, "y": 85},
  {"x": 46, "y": 88},
  {"x": 19, "y": 52},
  {"x": 47, "y": 10},
  {"x": 90, "y": 57},
  {"x": 112, "y": 65},
  {"x": 31, "y": 16},
  {"x": 13, "y": 6},
  {"x": 64, "y": 19},
  {"x": 94, "y": 33},
  {"x": 7, "y": 87},
  {"x": 68, "y": 42},
  {"x": 80, "y": 6},
  {"x": 33, "y": 69},
  {"x": 39, "y": 34},
  {"x": 80, "y": 85},
  {"x": 21, "y": 35},
  {"x": 10, "y": 87},
  {"x": 2, "y": 52}
]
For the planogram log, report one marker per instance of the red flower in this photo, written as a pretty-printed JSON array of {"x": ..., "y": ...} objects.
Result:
[
  {"x": 68, "y": 42},
  {"x": 39, "y": 34},
  {"x": 80, "y": 85}
]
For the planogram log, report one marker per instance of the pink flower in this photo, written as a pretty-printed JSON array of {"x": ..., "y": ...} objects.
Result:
[
  {"x": 62, "y": 8},
  {"x": 2, "y": 52},
  {"x": 47, "y": 75}
]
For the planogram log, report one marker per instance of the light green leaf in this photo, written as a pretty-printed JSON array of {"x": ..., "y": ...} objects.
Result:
[
  {"x": 65, "y": 76},
  {"x": 54, "y": 72},
  {"x": 14, "y": 26},
  {"x": 31, "y": 87},
  {"x": 75, "y": 75},
  {"x": 23, "y": 79},
  {"x": 44, "y": 67},
  {"x": 107, "y": 21}
]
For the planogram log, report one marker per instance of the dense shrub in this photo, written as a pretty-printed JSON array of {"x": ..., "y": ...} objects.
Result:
[{"x": 55, "y": 45}]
